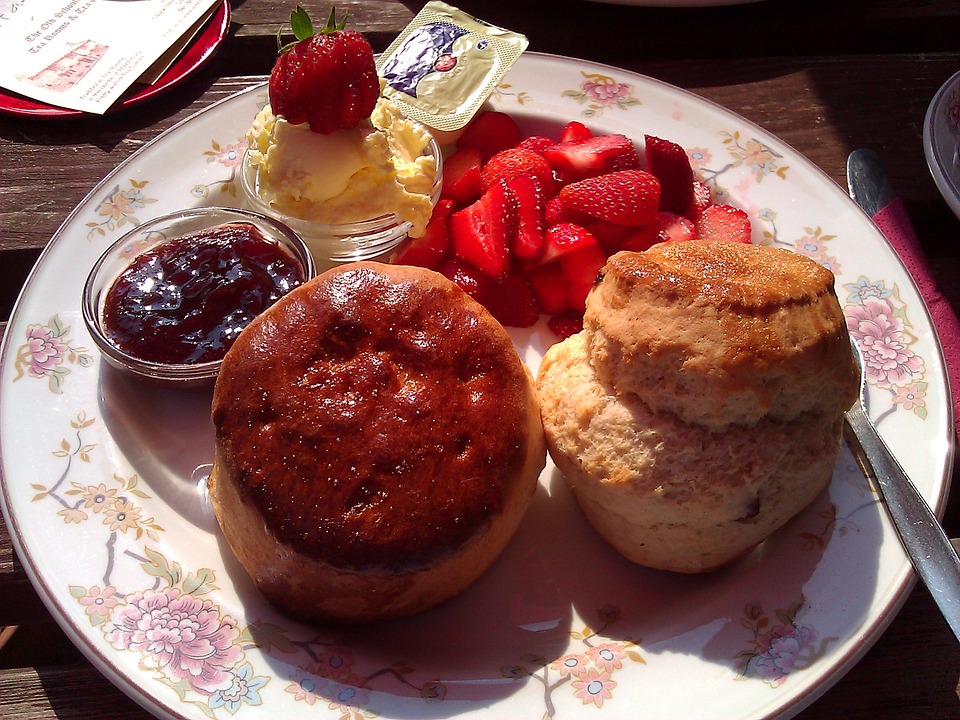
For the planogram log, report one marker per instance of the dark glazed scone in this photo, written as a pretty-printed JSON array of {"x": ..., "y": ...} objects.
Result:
[{"x": 377, "y": 443}]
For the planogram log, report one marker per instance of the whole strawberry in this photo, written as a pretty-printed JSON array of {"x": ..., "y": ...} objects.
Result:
[{"x": 328, "y": 79}]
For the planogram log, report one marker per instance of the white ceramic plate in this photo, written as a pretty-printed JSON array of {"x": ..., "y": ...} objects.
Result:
[
  {"x": 941, "y": 141},
  {"x": 103, "y": 485}
]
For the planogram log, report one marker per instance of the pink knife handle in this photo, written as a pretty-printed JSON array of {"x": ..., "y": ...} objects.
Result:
[{"x": 896, "y": 227}]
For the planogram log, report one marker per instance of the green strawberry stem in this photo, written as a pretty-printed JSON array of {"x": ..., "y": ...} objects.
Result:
[{"x": 302, "y": 27}]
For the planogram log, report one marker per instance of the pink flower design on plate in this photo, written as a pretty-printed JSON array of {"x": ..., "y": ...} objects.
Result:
[
  {"x": 117, "y": 206},
  {"x": 99, "y": 602},
  {"x": 605, "y": 90},
  {"x": 181, "y": 635},
  {"x": 781, "y": 650},
  {"x": 46, "y": 350},
  {"x": 232, "y": 155},
  {"x": 608, "y": 656},
  {"x": 121, "y": 516},
  {"x": 72, "y": 515},
  {"x": 757, "y": 156},
  {"x": 346, "y": 694},
  {"x": 98, "y": 497},
  {"x": 911, "y": 396},
  {"x": 811, "y": 245},
  {"x": 570, "y": 664},
  {"x": 304, "y": 689},
  {"x": 699, "y": 157},
  {"x": 879, "y": 333},
  {"x": 334, "y": 663},
  {"x": 594, "y": 686}
]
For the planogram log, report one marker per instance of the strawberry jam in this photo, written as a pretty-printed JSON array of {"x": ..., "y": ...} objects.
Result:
[{"x": 186, "y": 300}]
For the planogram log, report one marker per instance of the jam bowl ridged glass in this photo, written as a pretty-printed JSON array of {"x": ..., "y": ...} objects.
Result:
[{"x": 152, "y": 234}]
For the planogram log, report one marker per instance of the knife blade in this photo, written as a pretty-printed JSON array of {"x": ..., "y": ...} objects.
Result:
[{"x": 868, "y": 182}]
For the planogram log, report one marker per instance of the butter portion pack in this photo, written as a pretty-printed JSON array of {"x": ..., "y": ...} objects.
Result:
[{"x": 445, "y": 64}]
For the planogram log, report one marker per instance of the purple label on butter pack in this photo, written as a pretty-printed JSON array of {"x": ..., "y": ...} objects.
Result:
[
  {"x": 428, "y": 49},
  {"x": 444, "y": 65}
]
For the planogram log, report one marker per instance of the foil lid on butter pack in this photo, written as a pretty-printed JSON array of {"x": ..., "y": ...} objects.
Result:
[{"x": 444, "y": 65}]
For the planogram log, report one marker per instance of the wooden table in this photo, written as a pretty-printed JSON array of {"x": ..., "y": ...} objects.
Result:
[{"x": 825, "y": 76}]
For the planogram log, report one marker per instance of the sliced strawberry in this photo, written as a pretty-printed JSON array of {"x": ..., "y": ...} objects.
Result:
[
  {"x": 430, "y": 249},
  {"x": 557, "y": 212},
  {"x": 593, "y": 156},
  {"x": 537, "y": 143},
  {"x": 609, "y": 235},
  {"x": 702, "y": 198},
  {"x": 724, "y": 222},
  {"x": 442, "y": 209},
  {"x": 530, "y": 201},
  {"x": 490, "y": 132},
  {"x": 642, "y": 238},
  {"x": 627, "y": 197},
  {"x": 461, "y": 176},
  {"x": 666, "y": 227},
  {"x": 512, "y": 301},
  {"x": 575, "y": 131},
  {"x": 549, "y": 286},
  {"x": 473, "y": 282},
  {"x": 564, "y": 238},
  {"x": 481, "y": 233},
  {"x": 580, "y": 268},
  {"x": 675, "y": 228},
  {"x": 517, "y": 162},
  {"x": 563, "y": 326},
  {"x": 669, "y": 162},
  {"x": 612, "y": 237}
]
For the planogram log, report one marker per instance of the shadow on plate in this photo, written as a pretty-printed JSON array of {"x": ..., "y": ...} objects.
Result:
[
  {"x": 558, "y": 594},
  {"x": 477, "y": 648},
  {"x": 166, "y": 436},
  {"x": 783, "y": 607}
]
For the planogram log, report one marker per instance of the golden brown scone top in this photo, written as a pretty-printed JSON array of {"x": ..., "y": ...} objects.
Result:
[
  {"x": 726, "y": 275},
  {"x": 375, "y": 416},
  {"x": 721, "y": 332}
]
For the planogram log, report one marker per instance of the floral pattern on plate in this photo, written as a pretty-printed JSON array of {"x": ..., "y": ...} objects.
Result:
[
  {"x": 599, "y": 92},
  {"x": 115, "y": 522},
  {"x": 589, "y": 668},
  {"x": 46, "y": 350},
  {"x": 117, "y": 209},
  {"x": 778, "y": 649},
  {"x": 180, "y": 636}
]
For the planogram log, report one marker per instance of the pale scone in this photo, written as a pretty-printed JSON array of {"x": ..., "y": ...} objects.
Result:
[
  {"x": 721, "y": 333},
  {"x": 669, "y": 494},
  {"x": 378, "y": 441},
  {"x": 701, "y": 407}
]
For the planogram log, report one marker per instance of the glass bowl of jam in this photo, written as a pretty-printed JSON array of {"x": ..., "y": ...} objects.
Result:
[
  {"x": 332, "y": 244},
  {"x": 167, "y": 300}
]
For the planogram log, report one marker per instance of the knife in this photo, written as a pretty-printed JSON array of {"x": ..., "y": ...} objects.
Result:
[
  {"x": 933, "y": 555},
  {"x": 871, "y": 189},
  {"x": 924, "y": 540},
  {"x": 868, "y": 182}
]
